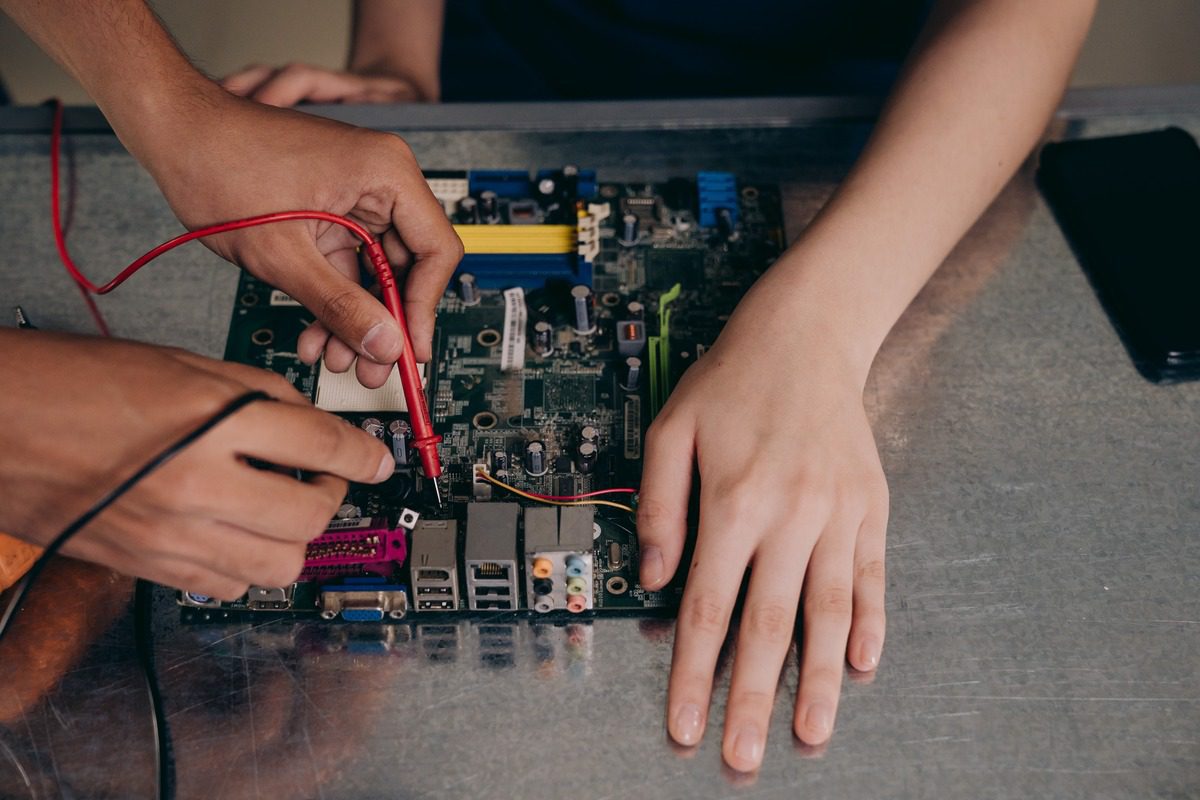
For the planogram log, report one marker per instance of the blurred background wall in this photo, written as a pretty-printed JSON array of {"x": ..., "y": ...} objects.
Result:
[{"x": 1132, "y": 42}]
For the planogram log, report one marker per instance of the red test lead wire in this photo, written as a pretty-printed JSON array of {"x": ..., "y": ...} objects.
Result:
[{"x": 425, "y": 440}]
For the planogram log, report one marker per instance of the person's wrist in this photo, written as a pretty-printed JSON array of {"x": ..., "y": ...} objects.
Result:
[
  {"x": 791, "y": 309},
  {"x": 159, "y": 119}
]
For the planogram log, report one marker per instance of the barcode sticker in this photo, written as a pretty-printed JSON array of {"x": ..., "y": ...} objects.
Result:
[
  {"x": 279, "y": 298},
  {"x": 512, "y": 350}
]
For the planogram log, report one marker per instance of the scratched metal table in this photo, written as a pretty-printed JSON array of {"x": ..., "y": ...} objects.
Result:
[{"x": 1044, "y": 550}]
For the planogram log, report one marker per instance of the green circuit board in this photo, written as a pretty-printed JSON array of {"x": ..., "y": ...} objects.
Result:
[{"x": 547, "y": 368}]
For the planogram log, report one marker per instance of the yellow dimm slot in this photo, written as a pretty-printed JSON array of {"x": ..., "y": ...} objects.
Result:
[{"x": 517, "y": 238}]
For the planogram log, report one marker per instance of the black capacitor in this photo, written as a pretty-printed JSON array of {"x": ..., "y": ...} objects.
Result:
[
  {"x": 585, "y": 309},
  {"x": 401, "y": 432},
  {"x": 633, "y": 373},
  {"x": 543, "y": 338},
  {"x": 725, "y": 222},
  {"x": 629, "y": 229},
  {"x": 535, "y": 459},
  {"x": 570, "y": 181},
  {"x": 468, "y": 289},
  {"x": 489, "y": 207},
  {"x": 468, "y": 211},
  {"x": 635, "y": 310},
  {"x": 588, "y": 453}
]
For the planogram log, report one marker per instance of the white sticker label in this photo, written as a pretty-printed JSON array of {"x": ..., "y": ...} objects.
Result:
[
  {"x": 279, "y": 298},
  {"x": 512, "y": 351}
]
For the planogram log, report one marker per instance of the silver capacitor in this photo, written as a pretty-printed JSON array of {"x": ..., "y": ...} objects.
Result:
[
  {"x": 633, "y": 373},
  {"x": 635, "y": 310},
  {"x": 588, "y": 453},
  {"x": 468, "y": 289},
  {"x": 401, "y": 432},
  {"x": 585, "y": 309},
  {"x": 536, "y": 462},
  {"x": 629, "y": 229},
  {"x": 589, "y": 433},
  {"x": 543, "y": 338},
  {"x": 372, "y": 426}
]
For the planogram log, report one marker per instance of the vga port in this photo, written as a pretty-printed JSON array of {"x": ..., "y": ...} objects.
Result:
[{"x": 363, "y": 600}]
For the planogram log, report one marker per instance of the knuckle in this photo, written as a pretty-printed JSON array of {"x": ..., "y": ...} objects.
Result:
[
  {"x": 704, "y": 613},
  {"x": 691, "y": 683},
  {"x": 820, "y": 680},
  {"x": 340, "y": 306},
  {"x": 326, "y": 438},
  {"x": 228, "y": 592},
  {"x": 770, "y": 621},
  {"x": 279, "y": 384},
  {"x": 285, "y": 565},
  {"x": 655, "y": 515},
  {"x": 872, "y": 569},
  {"x": 753, "y": 700},
  {"x": 835, "y": 601},
  {"x": 317, "y": 519}
]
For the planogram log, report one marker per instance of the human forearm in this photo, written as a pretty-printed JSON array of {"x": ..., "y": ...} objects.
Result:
[
  {"x": 399, "y": 38},
  {"x": 974, "y": 99},
  {"x": 124, "y": 59}
]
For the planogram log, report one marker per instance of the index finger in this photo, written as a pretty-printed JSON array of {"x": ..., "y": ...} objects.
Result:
[
  {"x": 309, "y": 439},
  {"x": 426, "y": 232},
  {"x": 718, "y": 564}
]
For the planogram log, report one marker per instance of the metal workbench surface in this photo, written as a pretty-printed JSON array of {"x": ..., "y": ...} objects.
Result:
[{"x": 1043, "y": 551}]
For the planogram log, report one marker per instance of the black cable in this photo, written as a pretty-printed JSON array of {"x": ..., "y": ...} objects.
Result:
[
  {"x": 143, "y": 604},
  {"x": 164, "y": 753},
  {"x": 23, "y": 586}
]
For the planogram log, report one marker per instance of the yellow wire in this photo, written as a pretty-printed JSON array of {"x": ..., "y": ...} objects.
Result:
[{"x": 537, "y": 499}]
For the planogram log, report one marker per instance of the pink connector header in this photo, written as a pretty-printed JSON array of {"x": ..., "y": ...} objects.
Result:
[{"x": 368, "y": 543}]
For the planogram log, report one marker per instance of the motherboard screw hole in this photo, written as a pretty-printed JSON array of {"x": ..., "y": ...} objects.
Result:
[{"x": 262, "y": 337}]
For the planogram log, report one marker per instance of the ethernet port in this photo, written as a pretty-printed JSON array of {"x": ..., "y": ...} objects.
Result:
[{"x": 491, "y": 571}]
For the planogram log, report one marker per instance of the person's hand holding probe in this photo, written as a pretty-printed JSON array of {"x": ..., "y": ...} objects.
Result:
[
  {"x": 206, "y": 521},
  {"x": 219, "y": 157}
]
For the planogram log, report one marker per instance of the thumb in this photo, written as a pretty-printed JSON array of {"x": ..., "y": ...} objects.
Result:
[{"x": 349, "y": 311}]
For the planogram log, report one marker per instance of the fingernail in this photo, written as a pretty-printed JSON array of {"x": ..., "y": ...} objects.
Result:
[
  {"x": 652, "y": 565},
  {"x": 748, "y": 746},
  {"x": 868, "y": 653},
  {"x": 819, "y": 719},
  {"x": 382, "y": 343},
  {"x": 688, "y": 722},
  {"x": 386, "y": 468}
]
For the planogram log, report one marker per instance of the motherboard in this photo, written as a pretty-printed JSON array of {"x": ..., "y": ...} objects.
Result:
[{"x": 576, "y": 309}]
